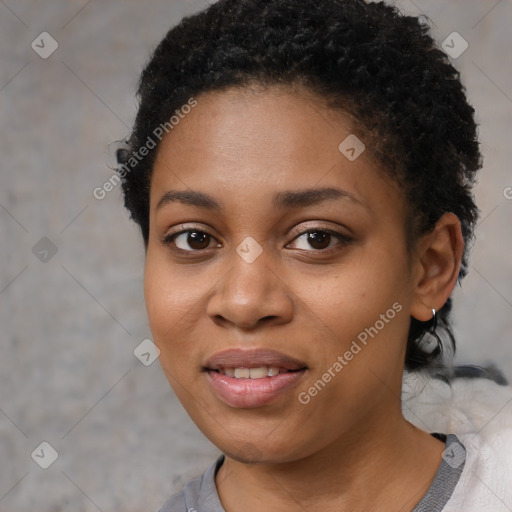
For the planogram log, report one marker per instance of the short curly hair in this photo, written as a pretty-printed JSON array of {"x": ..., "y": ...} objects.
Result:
[{"x": 366, "y": 59}]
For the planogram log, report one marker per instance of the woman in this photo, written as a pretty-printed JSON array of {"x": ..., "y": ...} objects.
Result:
[{"x": 301, "y": 172}]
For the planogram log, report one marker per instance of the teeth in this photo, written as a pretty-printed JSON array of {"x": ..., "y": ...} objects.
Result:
[
  {"x": 258, "y": 373},
  {"x": 242, "y": 373},
  {"x": 251, "y": 373}
]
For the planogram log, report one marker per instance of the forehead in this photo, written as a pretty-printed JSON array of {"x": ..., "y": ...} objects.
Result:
[{"x": 245, "y": 143}]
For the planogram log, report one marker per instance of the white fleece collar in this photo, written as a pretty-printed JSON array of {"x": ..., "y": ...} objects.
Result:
[{"x": 465, "y": 405}]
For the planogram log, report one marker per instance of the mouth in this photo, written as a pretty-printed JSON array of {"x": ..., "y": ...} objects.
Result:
[
  {"x": 259, "y": 372},
  {"x": 260, "y": 363},
  {"x": 252, "y": 378}
]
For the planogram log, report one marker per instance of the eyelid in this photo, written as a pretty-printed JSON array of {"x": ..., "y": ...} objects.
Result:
[
  {"x": 184, "y": 227},
  {"x": 318, "y": 226}
]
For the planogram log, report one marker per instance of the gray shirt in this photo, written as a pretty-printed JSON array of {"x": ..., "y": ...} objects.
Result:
[{"x": 200, "y": 494}]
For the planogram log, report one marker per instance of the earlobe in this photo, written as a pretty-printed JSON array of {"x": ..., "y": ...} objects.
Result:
[{"x": 439, "y": 255}]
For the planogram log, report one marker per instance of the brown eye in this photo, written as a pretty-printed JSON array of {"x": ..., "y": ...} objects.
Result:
[
  {"x": 195, "y": 239},
  {"x": 319, "y": 239}
]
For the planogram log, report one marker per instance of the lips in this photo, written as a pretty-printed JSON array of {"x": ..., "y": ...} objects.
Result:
[{"x": 253, "y": 377}]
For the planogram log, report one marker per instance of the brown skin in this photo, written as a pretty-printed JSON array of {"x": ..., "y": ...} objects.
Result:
[{"x": 349, "y": 448}]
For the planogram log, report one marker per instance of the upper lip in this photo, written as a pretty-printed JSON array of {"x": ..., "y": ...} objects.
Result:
[{"x": 252, "y": 358}]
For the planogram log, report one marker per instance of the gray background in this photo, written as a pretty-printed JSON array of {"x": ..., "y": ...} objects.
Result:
[{"x": 68, "y": 374}]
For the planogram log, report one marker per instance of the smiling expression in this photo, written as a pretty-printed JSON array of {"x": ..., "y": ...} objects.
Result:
[{"x": 263, "y": 168}]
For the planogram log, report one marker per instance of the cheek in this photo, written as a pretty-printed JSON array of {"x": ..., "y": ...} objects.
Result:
[
  {"x": 171, "y": 311},
  {"x": 356, "y": 296},
  {"x": 171, "y": 297},
  {"x": 363, "y": 314},
  {"x": 172, "y": 308}
]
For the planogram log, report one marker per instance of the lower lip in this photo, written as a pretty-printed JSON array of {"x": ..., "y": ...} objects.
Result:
[{"x": 251, "y": 393}]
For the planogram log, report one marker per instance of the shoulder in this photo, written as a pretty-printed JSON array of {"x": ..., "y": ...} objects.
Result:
[
  {"x": 198, "y": 494},
  {"x": 175, "y": 503},
  {"x": 484, "y": 485},
  {"x": 479, "y": 412}
]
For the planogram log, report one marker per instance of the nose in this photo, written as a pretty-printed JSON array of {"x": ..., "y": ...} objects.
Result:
[{"x": 251, "y": 293}]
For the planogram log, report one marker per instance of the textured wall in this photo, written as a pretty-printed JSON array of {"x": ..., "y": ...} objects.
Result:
[{"x": 72, "y": 309}]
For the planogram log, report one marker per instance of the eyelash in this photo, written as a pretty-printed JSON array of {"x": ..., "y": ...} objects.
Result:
[{"x": 344, "y": 240}]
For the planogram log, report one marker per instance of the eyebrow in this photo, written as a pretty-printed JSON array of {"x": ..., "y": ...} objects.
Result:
[{"x": 280, "y": 200}]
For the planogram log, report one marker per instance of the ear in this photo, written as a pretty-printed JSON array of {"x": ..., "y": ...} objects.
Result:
[{"x": 438, "y": 259}]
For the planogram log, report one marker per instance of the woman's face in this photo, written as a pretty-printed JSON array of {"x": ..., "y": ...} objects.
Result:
[{"x": 263, "y": 260}]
